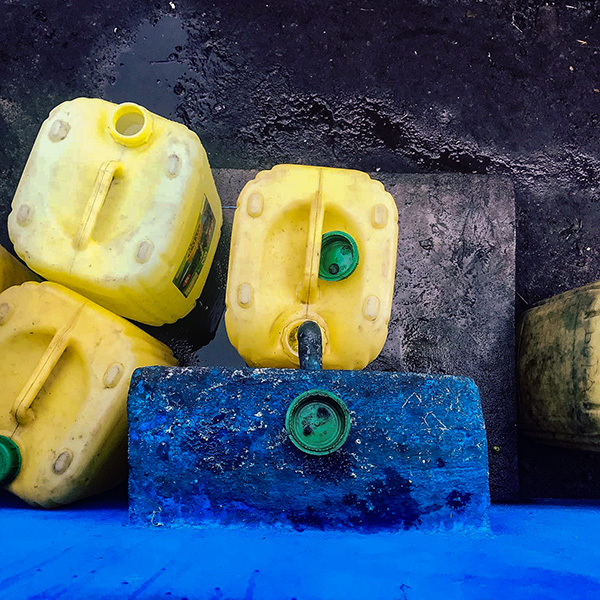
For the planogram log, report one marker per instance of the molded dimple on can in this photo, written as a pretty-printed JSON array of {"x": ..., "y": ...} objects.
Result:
[
  {"x": 113, "y": 375},
  {"x": 144, "y": 251},
  {"x": 63, "y": 461},
  {"x": 6, "y": 309},
  {"x": 371, "y": 308},
  {"x": 24, "y": 215},
  {"x": 59, "y": 130},
  {"x": 173, "y": 166},
  {"x": 255, "y": 205},
  {"x": 245, "y": 295},
  {"x": 379, "y": 216}
]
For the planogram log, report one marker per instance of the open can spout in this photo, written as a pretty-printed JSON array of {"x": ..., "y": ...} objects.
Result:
[{"x": 310, "y": 346}]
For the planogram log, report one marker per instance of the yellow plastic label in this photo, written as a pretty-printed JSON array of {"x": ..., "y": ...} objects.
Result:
[{"x": 196, "y": 254}]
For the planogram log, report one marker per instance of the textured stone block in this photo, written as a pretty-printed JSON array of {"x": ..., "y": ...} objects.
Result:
[{"x": 209, "y": 446}]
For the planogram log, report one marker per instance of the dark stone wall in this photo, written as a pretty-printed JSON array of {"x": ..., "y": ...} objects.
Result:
[{"x": 498, "y": 87}]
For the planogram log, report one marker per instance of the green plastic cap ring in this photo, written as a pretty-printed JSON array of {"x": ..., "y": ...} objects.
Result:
[
  {"x": 339, "y": 256},
  {"x": 10, "y": 460},
  {"x": 318, "y": 422}
]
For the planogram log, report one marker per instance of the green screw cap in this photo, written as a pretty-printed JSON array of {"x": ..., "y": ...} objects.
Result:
[
  {"x": 10, "y": 460},
  {"x": 339, "y": 256},
  {"x": 318, "y": 422}
]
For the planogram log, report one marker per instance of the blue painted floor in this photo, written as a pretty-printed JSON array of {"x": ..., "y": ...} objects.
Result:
[{"x": 88, "y": 551}]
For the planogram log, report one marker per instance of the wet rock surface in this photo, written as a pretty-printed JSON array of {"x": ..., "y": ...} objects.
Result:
[{"x": 507, "y": 87}]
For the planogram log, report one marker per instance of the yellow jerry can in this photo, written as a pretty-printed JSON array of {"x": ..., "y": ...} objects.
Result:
[
  {"x": 65, "y": 372},
  {"x": 311, "y": 243},
  {"x": 558, "y": 363},
  {"x": 119, "y": 204},
  {"x": 12, "y": 272}
]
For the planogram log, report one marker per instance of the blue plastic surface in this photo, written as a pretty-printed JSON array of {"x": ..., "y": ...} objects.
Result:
[{"x": 88, "y": 551}]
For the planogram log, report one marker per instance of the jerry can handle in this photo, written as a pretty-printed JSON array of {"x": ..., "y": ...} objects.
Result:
[
  {"x": 22, "y": 406},
  {"x": 106, "y": 173},
  {"x": 309, "y": 287}
]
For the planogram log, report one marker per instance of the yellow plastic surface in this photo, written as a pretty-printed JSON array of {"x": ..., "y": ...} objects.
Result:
[
  {"x": 274, "y": 282},
  {"x": 558, "y": 365},
  {"x": 120, "y": 205},
  {"x": 65, "y": 372},
  {"x": 12, "y": 272}
]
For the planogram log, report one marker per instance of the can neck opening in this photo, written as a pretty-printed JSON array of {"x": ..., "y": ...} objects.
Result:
[
  {"x": 130, "y": 125},
  {"x": 310, "y": 346}
]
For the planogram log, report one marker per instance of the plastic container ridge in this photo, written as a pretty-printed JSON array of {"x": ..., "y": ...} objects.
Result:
[
  {"x": 311, "y": 243},
  {"x": 65, "y": 372},
  {"x": 119, "y": 204}
]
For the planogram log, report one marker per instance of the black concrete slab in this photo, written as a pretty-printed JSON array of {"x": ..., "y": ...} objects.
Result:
[{"x": 453, "y": 310}]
